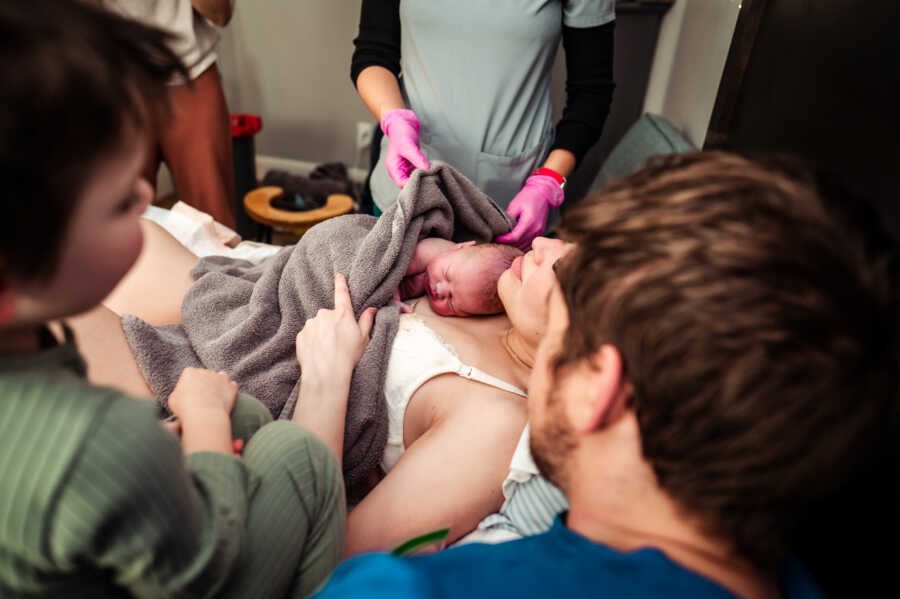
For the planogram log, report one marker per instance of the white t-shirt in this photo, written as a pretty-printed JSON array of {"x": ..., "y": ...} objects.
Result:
[{"x": 196, "y": 37}]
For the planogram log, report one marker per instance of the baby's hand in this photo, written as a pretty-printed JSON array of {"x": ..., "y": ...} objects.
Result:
[
  {"x": 401, "y": 305},
  {"x": 413, "y": 286}
]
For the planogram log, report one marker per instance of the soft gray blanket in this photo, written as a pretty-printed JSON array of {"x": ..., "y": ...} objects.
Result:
[{"x": 243, "y": 318}]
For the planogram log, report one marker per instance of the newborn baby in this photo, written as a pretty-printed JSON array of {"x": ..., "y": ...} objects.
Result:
[{"x": 460, "y": 279}]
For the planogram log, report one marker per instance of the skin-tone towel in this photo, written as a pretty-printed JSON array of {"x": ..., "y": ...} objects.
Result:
[{"x": 243, "y": 318}]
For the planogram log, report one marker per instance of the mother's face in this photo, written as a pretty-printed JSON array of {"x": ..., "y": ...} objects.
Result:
[{"x": 526, "y": 285}]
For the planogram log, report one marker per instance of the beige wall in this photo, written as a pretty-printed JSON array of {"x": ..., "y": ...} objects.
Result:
[
  {"x": 289, "y": 62},
  {"x": 690, "y": 54}
]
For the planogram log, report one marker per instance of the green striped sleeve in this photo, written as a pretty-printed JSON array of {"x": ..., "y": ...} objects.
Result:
[{"x": 133, "y": 505}]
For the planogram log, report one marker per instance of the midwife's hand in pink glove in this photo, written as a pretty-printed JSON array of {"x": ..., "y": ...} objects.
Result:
[
  {"x": 403, "y": 156},
  {"x": 531, "y": 207}
]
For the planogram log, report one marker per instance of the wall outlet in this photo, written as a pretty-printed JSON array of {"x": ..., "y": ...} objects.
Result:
[{"x": 364, "y": 133}]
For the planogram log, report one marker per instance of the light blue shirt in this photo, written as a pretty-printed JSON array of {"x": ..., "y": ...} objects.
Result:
[{"x": 531, "y": 502}]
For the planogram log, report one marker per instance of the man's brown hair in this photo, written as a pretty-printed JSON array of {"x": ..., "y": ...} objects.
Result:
[{"x": 757, "y": 326}]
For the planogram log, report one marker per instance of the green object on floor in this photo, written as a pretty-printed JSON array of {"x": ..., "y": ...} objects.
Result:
[{"x": 430, "y": 540}]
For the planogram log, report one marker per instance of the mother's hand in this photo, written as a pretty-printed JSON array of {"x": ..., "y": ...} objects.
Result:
[
  {"x": 331, "y": 343},
  {"x": 328, "y": 348}
]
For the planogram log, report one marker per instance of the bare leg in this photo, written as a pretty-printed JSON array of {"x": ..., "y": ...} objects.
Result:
[
  {"x": 196, "y": 146},
  {"x": 155, "y": 286},
  {"x": 103, "y": 346}
]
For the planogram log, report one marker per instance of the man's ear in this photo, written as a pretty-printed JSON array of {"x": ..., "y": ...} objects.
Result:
[
  {"x": 7, "y": 296},
  {"x": 604, "y": 390},
  {"x": 464, "y": 244}
]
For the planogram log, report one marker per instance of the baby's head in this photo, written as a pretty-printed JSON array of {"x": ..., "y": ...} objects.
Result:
[{"x": 463, "y": 281}]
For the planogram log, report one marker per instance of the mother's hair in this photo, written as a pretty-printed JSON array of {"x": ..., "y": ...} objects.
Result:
[{"x": 757, "y": 322}]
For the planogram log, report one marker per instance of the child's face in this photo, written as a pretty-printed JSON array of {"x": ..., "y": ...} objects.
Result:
[
  {"x": 459, "y": 281},
  {"x": 103, "y": 237}
]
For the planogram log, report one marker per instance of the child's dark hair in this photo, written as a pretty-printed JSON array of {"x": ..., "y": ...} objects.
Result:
[{"x": 74, "y": 78}]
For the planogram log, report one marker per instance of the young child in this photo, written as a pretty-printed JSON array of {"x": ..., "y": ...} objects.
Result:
[
  {"x": 460, "y": 279},
  {"x": 97, "y": 499}
]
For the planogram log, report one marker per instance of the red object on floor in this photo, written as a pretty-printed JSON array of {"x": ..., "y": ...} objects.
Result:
[{"x": 245, "y": 124}]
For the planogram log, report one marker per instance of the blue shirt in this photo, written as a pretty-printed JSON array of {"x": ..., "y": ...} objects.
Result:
[{"x": 558, "y": 563}]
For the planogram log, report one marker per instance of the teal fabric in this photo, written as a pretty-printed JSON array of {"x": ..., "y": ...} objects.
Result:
[
  {"x": 650, "y": 135},
  {"x": 477, "y": 74},
  {"x": 558, "y": 563}
]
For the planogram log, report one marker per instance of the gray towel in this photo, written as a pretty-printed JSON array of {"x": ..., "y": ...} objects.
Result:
[{"x": 244, "y": 318}]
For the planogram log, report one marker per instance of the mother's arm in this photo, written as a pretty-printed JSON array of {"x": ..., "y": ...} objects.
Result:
[
  {"x": 450, "y": 476},
  {"x": 328, "y": 348}
]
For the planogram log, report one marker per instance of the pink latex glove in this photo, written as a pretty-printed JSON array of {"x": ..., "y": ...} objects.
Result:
[
  {"x": 531, "y": 207},
  {"x": 403, "y": 155}
]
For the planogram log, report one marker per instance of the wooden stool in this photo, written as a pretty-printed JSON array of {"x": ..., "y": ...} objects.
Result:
[{"x": 256, "y": 203}]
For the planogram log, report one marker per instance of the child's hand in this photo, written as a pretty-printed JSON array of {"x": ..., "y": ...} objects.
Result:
[
  {"x": 200, "y": 390},
  {"x": 202, "y": 401},
  {"x": 174, "y": 427}
]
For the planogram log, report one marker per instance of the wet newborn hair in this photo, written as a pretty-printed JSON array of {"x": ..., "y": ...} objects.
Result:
[{"x": 493, "y": 268}]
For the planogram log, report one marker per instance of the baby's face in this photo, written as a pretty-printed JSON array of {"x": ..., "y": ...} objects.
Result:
[{"x": 461, "y": 282}]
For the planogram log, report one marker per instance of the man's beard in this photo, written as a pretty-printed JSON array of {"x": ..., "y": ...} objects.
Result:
[{"x": 553, "y": 442}]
